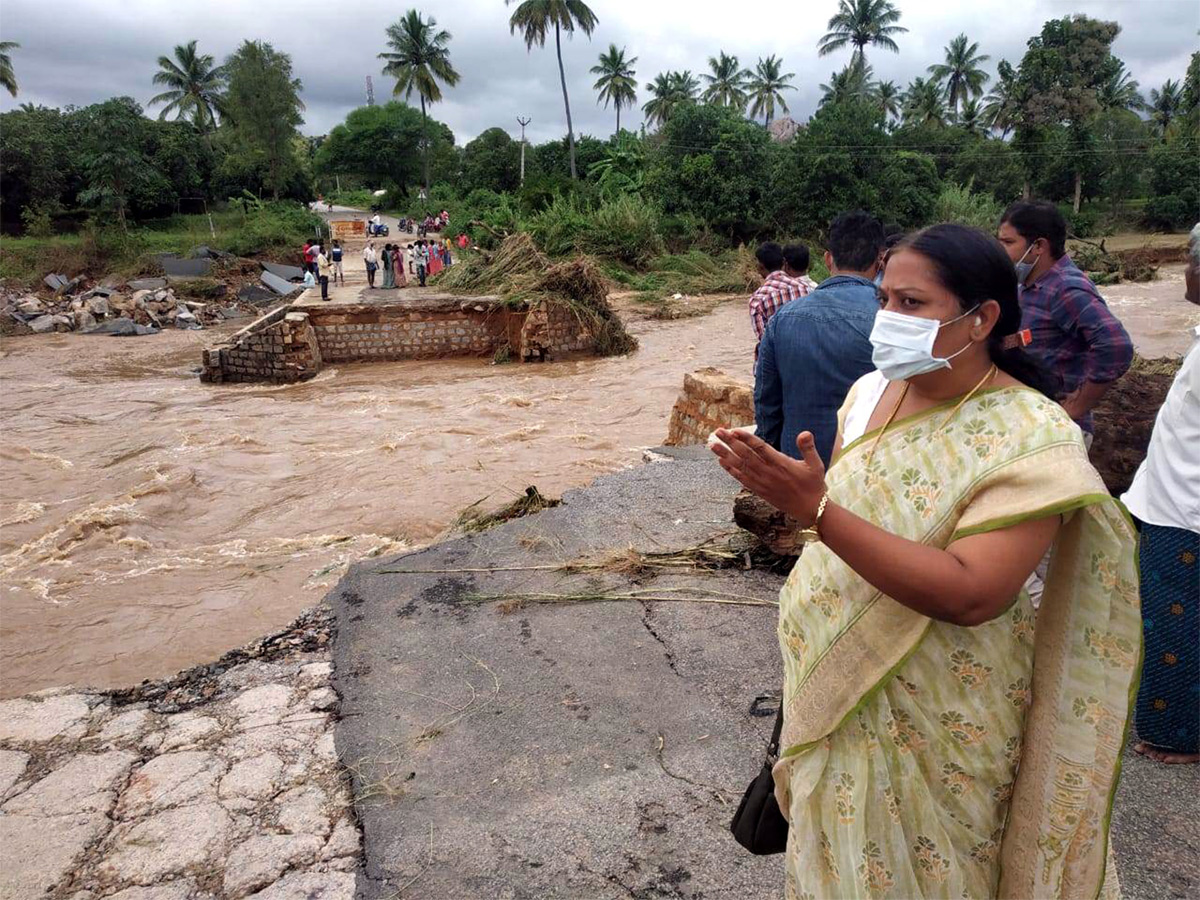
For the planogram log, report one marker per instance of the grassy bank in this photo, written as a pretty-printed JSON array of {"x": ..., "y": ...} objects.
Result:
[{"x": 270, "y": 230}]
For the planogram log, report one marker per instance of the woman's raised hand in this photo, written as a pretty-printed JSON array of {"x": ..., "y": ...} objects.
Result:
[{"x": 793, "y": 486}]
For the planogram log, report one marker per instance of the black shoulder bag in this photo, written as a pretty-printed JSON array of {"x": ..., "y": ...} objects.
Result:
[{"x": 758, "y": 825}]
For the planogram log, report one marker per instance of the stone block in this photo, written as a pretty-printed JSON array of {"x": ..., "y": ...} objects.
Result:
[
  {"x": 254, "y": 778},
  {"x": 172, "y": 841},
  {"x": 310, "y": 886},
  {"x": 261, "y": 859},
  {"x": 31, "y": 863},
  {"x": 169, "y": 780},
  {"x": 85, "y": 784},
  {"x": 33, "y": 721}
]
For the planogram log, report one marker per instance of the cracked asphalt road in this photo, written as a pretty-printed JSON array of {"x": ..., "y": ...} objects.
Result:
[{"x": 597, "y": 750}]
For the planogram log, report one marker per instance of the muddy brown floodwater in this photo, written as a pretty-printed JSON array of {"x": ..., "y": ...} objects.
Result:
[{"x": 150, "y": 522}]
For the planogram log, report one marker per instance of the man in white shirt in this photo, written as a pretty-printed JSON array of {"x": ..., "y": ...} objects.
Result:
[
  {"x": 1165, "y": 499},
  {"x": 376, "y": 222},
  {"x": 371, "y": 260}
]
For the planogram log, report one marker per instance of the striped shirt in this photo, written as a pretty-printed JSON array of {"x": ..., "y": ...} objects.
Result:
[{"x": 776, "y": 290}]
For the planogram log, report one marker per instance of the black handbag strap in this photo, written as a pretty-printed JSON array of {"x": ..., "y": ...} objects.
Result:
[{"x": 773, "y": 746}]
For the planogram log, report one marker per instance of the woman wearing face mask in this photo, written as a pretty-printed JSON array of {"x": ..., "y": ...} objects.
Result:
[{"x": 908, "y": 640}]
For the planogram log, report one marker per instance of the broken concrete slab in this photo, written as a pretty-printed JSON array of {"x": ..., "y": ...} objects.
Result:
[
  {"x": 277, "y": 284},
  {"x": 287, "y": 273},
  {"x": 122, "y": 327},
  {"x": 54, "y": 281},
  {"x": 233, "y": 312},
  {"x": 253, "y": 293},
  {"x": 33, "y": 862},
  {"x": 185, "y": 268},
  {"x": 147, "y": 284},
  {"x": 25, "y": 720},
  {"x": 592, "y": 744}
]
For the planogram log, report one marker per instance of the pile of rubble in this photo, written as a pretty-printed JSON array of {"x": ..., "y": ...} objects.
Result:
[{"x": 145, "y": 306}]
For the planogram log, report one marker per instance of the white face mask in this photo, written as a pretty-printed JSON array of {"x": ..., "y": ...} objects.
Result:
[{"x": 902, "y": 346}]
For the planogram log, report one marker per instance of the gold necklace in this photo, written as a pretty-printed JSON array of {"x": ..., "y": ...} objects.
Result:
[{"x": 904, "y": 393}]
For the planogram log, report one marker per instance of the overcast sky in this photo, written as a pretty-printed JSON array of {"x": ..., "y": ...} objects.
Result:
[{"x": 82, "y": 51}]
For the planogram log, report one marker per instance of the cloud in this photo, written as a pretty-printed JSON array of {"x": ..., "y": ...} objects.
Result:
[{"x": 83, "y": 51}]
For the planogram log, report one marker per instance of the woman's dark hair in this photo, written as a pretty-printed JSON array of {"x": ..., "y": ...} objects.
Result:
[{"x": 974, "y": 267}]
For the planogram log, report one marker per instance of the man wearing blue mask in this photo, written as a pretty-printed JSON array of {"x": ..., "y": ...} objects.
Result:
[
  {"x": 1073, "y": 332},
  {"x": 816, "y": 347}
]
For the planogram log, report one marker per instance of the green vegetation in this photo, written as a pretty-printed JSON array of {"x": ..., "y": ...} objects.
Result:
[
  {"x": 661, "y": 211},
  {"x": 270, "y": 229},
  {"x": 418, "y": 60}
]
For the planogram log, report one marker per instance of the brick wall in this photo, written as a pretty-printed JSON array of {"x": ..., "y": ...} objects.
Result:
[
  {"x": 710, "y": 400},
  {"x": 550, "y": 330},
  {"x": 281, "y": 347},
  {"x": 353, "y": 334},
  {"x": 292, "y": 343}
]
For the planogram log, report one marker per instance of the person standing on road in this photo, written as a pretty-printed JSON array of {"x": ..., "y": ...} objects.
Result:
[
  {"x": 371, "y": 261},
  {"x": 398, "y": 267},
  {"x": 336, "y": 258},
  {"x": 776, "y": 290},
  {"x": 422, "y": 258},
  {"x": 1071, "y": 330},
  {"x": 935, "y": 743},
  {"x": 389, "y": 276},
  {"x": 323, "y": 271},
  {"x": 306, "y": 257},
  {"x": 1165, "y": 500},
  {"x": 814, "y": 349}
]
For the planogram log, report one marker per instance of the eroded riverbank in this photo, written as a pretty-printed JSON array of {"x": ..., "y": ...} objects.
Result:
[
  {"x": 149, "y": 522},
  {"x": 152, "y": 522}
]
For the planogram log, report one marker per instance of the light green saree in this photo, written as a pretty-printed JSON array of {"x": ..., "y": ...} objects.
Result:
[{"x": 922, "y": 759}]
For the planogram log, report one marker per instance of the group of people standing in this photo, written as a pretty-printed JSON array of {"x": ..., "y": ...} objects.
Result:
[
  {"x": 924, "y": 414},
  {"x": 424, "y": 259},
  {"x": 321, "y": 266}
]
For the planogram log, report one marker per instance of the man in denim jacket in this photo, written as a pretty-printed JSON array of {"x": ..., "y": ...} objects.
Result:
[{"x": 816, "y": 347}]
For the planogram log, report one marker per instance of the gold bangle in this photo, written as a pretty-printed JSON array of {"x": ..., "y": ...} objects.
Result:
[{"x": 816, "y": 525}]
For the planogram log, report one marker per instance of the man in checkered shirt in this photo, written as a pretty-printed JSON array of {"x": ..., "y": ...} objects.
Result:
[{"x": 776, "y": 290}]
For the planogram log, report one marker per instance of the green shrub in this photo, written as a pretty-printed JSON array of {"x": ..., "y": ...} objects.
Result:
[
  {"x": 557, "y": 228},
  {"x": 963, "y": 206},
  {"x": 625, "y": 229},
  {"x": 273, "y": 226},
  {"x": 37, "y": 221}
]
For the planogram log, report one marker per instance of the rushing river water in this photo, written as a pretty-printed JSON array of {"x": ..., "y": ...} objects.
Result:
[{"x": 149, "y": 522}]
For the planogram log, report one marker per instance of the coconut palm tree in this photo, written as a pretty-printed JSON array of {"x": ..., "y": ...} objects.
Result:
[
  {"x": 970, "y": 118},
  {"x": 418, "y": 59},
  {"x": 195, "y": 87},
  {"x": 1164, "y": 104},
  {"x": 887, "y": 98},
  {"x": 765, "y": 88},
  {"x": 852, "y": 83},
  {"x": 617, "y": 83},
  {"x": 8, "y": 79},
  {"x": 727, "y": 83},
  {"x": 533, "y": 19},
  {"x": 960, "y": 73},
  {"x": 923, "y": 104},
  {"x": 1120, "y": 91},
  {"x": 668, "y": 92},
  {"x": 1001, "y": 107},
  {"x": 861, "y": 23}
]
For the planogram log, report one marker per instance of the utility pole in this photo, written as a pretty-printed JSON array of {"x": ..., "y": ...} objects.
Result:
[
  {"x": 370, "y": 92},
  {"x": 523, "y": 122}
]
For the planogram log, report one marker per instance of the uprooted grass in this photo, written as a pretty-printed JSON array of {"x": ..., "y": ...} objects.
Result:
[
  {"x": 474, "y": 519},
  {"x": 523, "y": 276},
  {"x": 511, "y": 602},
  {"x": 724, "y": 551}
]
